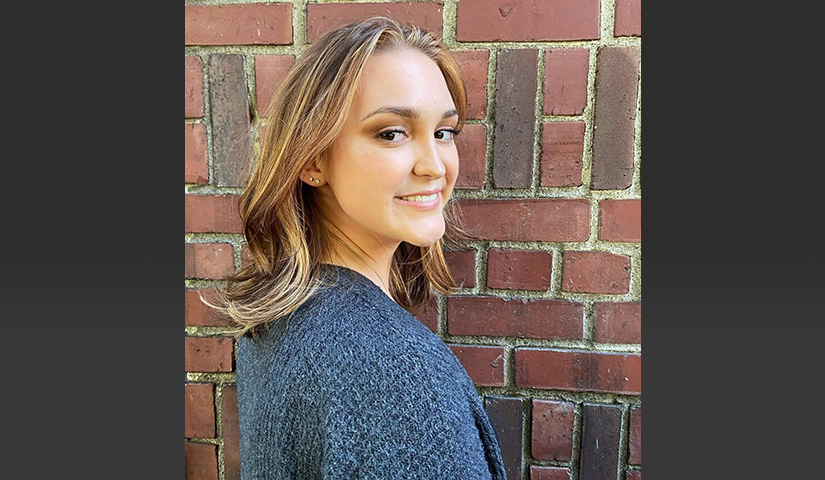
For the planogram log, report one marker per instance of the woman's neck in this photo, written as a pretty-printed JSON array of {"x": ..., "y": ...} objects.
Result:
[{"x": 373, "y": 263}]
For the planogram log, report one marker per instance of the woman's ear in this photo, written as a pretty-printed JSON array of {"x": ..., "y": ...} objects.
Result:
[{"x": 313, "y": 174}]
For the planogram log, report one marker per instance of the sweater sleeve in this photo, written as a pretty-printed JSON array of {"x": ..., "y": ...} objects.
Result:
[{"x": 392, "y": 415}]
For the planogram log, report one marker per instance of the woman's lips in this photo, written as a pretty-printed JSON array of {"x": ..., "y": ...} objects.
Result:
[{"x": 421, "y": 203}]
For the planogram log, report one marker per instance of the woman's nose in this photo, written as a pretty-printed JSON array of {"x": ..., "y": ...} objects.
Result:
[{"x": 428, "y": 160}]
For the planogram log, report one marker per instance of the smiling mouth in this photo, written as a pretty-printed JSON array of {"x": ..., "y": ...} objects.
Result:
[{"x": 420, "y": 198}]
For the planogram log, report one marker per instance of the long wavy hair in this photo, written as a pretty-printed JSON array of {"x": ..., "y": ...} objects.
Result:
[{"x": 287, "y": 234}]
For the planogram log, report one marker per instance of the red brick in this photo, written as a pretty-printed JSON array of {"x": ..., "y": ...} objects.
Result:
[
  {"x": 595, "y": 272},
  {"x": 578, "y": 370},
  {"x": 565, "y": 80},
  {"x": 552, "y": 319},
  {"x": 526, "y": 270},
  {"x": 628, "y": 18},
  {"x": 428, "y": 315},
  {"x": 620, "y": 220},
  {"x": 635, "y": 436},
  {"x": 231, "y": 124},
  {"x": 485, "y": 365},
  {"x": 515, "y": 118},
  {"x": 527, "y": 20},
  {"x": 193, "y": 87},
  {"x": 549, "y": 473},
  {"x": 552, "y": 437},
  {"x": 245, "y": 24},
  {"x": 198, "y": 314},
  {"x": 212, "y": 213},
  {"x": 209, "y": 354},
  {"x": 618, "y": 322},
  {"x": 197, "y": 168},
  {"x": 562, "y": 145},
  {"x": 208, "y": 260},
  {"x": 601, "y": 427},
  {"x": 507, "y": 417},
  {"x": 199, "y": 411},
  {"x": 201, "y": 461},
  {"x": 324, "y": 17},
  {"x": 534, "y": 219},
  {"x": 633, "y": 475},
  {"x": 462, "y": 265},
  {"x": 614, "y": 117},
  {"x": 474, "y": 65},
  {"x": 231, "y": 433},
  {"x": 471, "y": 144},
  {"x": 270, "y": 71}
]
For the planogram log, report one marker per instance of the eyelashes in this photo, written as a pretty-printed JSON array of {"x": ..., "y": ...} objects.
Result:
[{"x": 393, "y": 135}]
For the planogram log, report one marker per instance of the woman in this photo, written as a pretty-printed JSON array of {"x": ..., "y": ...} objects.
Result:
[{"x": 344, "y": 216}]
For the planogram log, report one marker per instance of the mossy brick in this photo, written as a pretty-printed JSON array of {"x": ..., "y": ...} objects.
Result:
[
  {"x": 231, "y": 127},
  {"x": 515, "y": 118},
  {"x": 527, "y": 20}
]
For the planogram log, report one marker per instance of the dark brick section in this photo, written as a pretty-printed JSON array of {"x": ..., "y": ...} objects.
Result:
[
  {"x": 635, "y": 437},
  {"x": 201, "y": 461},
  {"x": 552, "y": 430},
  {"x": 601, "y": 426},
  {"x": 484, "y": 364},
  {"x": 323, "y": 17},
  {"x": 615, "y": 112},
  {"x": 562, "y": 146},
  {"x": 578, "y": 370},
  {"x": 231, "y": 435},
  {"x": 527, "y": 20},
  {"x": 231, "y": 142},
  {"x": 462, "y": 265},
  {"x": 519, "y": 269},
  {"x": 515, "y": 118},
  {"x": 507, "y": 414},
  {"x": 199, "y": 411},
  {"x": 529, "y": 219},
  {"x": 549, "y": 473},
  {"x": 551, "y": 319},
  {"x": 471, "y": 144}
]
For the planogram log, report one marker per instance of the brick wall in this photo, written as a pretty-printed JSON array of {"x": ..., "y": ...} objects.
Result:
[{"x": 548, "y": 321}]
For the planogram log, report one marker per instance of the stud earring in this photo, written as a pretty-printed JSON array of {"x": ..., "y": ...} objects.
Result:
[{"x": 314, "y": 180}]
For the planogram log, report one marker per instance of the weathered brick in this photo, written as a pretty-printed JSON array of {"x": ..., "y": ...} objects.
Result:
[
  {"x": 193, "y": 87},
  {"x": 484, "y": 364},
  {"x": 244, "y": 24},
  {"x": 601, "y": 425},
  {"x": 595, "y": 272},
  {"x": 628, "y": 18},
  {"x": 515, "y": 118},
  {"x": 527, "y": 20},
  {"x": 326, "y": 16},
  {"x": 635, "y": 436},
  {"x": 194, "y": 149},
  {"x": 620, "y": 220},
  {"x": 549, "y": 473},
  {"x": 471, "y": 145},
  {"x": 208, "y": 260},
  {"x": 212, "y": 213},
  {"x": 551, "y": 319},
  {"x": 462, "y": 265},
  {"x": 633, "y": 475},
  {"x": 201, "y": 461},
  {"x": 474, "y": 65},
  {"x": 198, "y": 314},
  {"x": 231, "y": 141},
  {"x": 565, "y": 80},
  {"x": 519, "y": 269},
  {"x": 562, "y": 146},
  {"x": 552, "y": 431},
  {"x": 530, "y": 219},
  {"x": 199, "y": 411},
  {"x": 618, "y": 322},
  {"x": 231, "y": 433},
  {"x": 270, "y": 71},
  {"x": 506, "y": 415},
  {"x": 578, "y": 370},
  {"x": 208, "y": 354},
  {"x": 428, "y": 315},
  {"x": 615, "y": 114}
]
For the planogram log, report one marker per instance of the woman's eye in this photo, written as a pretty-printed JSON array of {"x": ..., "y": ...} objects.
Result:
[
  {"x": 391, "y": 135},
  {"x": 446, "y": 134}
]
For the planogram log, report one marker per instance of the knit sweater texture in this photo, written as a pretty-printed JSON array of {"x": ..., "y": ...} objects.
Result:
[{"x": 352, "y": 386}]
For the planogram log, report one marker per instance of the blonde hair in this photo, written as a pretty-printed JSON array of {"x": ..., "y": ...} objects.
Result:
[{"x": 283, "y": 224}]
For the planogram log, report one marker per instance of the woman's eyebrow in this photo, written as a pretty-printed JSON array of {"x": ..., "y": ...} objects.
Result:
[{"x": 407, "y": 112}]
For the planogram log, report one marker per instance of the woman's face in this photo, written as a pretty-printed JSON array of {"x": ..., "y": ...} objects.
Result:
[{"x": 397, "y": 142}]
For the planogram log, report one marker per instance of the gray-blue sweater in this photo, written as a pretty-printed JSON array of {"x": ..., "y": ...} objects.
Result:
[{"x": 352, "y": 386}]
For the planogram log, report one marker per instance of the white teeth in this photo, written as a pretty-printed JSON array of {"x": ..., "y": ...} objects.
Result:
[{"x": 420, "y": 198}]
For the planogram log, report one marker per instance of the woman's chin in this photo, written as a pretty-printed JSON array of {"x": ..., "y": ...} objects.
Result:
[{"x": 426, "y": 237}]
